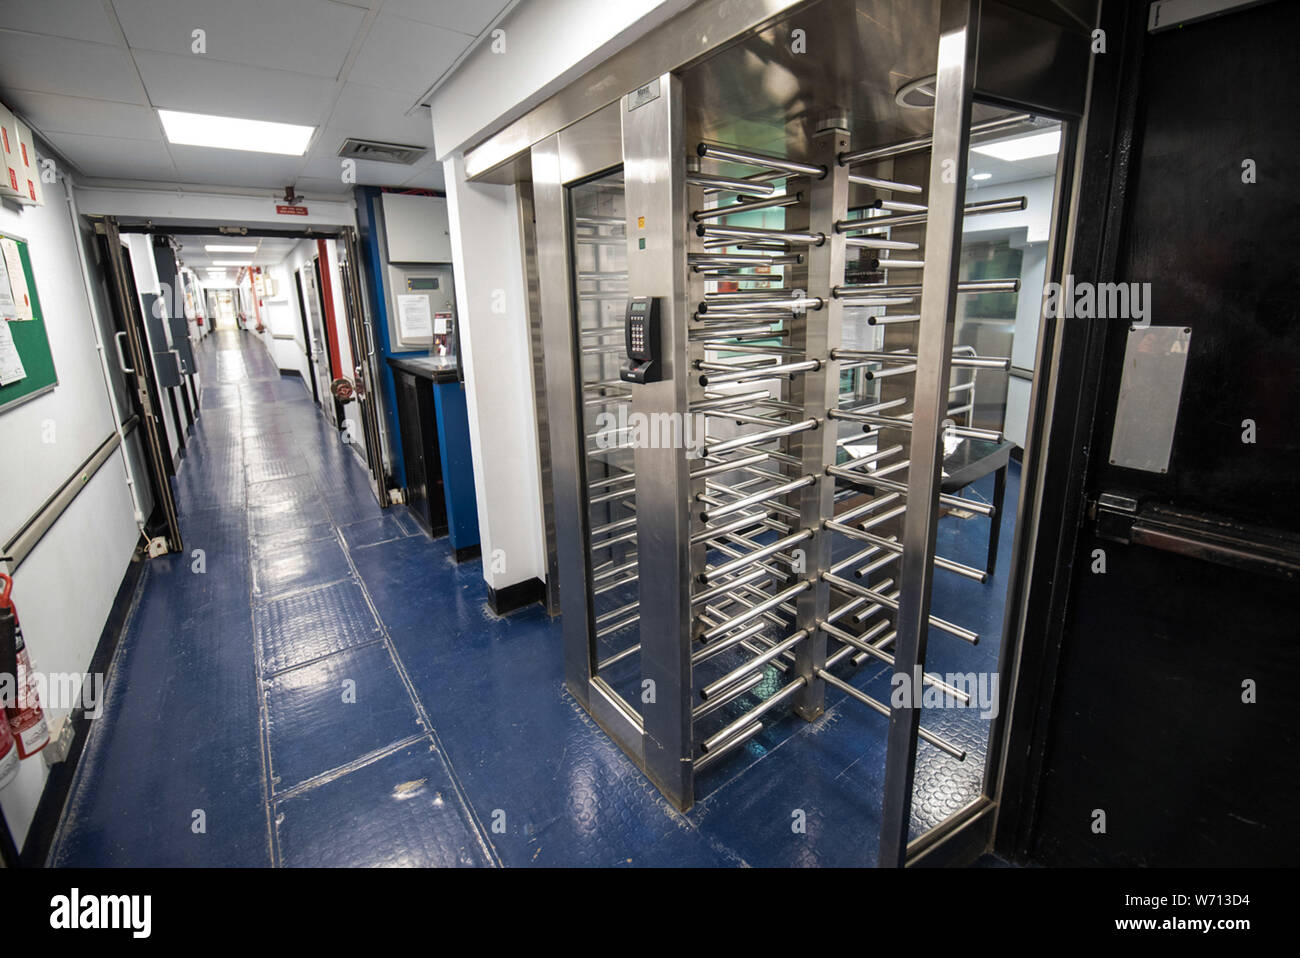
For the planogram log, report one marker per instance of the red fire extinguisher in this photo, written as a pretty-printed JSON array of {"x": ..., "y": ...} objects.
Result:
[
  {"x": 26, "y": 720},
  {"x": 8, "y": 755}
]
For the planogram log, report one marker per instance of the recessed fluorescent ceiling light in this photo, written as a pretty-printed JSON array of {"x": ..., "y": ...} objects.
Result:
[
  {"x": 232, "y": 133},
  {"x": 1023, "y": 148},
  {"x": 230, "y": 262},
  {"x": 981, "y": 176},
  {"x": 230, "y": 249}
]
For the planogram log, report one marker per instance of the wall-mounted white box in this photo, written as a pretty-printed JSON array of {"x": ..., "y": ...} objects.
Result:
[
  {"x": 10, "y": 155},
  {"x": 29, "y": 174},
  {"x": 416, "y": 228}
]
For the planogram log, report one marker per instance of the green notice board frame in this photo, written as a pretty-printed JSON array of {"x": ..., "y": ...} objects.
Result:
[{"x": 31, "y": 341}]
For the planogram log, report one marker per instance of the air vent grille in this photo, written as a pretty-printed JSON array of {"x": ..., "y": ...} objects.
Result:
[{"x": 380, "y": 152}]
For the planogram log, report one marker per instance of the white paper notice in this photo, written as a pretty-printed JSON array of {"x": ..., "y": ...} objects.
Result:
[
  {"x": 440, "y": 323},
  {"x": 11, "y": 364},
  {"x": 414, "y": 317},
  {"x": 17, "y": 279},
  {"x": 8, "y": 309}
]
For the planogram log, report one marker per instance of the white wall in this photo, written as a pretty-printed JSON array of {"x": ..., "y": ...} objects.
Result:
[
  {"x": 90, "y": 546},
  {"x": 1032, "y": 228},
  {"x": 487, "y": 259},
  {"x": 548, "y": 43},
  {"x": 172, "y": 207},
  {"x": 283, "y": 318}
]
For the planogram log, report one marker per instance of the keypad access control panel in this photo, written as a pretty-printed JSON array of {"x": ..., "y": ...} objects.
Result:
[{"x": 642, "y": 364}]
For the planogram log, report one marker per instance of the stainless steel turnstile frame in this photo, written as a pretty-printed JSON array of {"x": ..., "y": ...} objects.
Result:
[{"x": 643, "y": 131}]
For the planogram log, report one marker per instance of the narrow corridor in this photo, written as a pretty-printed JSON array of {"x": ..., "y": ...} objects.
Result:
[{"x": 357, "y": 705}]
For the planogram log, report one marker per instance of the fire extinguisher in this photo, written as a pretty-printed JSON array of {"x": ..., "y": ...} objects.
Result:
[{"x": 26, "y": 720}]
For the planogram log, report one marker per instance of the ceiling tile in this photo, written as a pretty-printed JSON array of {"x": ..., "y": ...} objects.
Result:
[
  {"x": 196, "y": 85},
  {"x": 52, "y": 113},
  {"x": 401, "y": 54},
  {"x": 110, "y": 157},
  {"x": 78, "y": 19},
  {"x": 368, "y": 172},
  {"x": 467, "y": 18},
  {"x": 197, "y": 164},
  {"x": 70, "y": 67},
  {"x": 376, "y": 114},
  {"x": 303, "y": 36},
  {"x": 311, "y": 184},
  {"x": 428, "y": 178}
]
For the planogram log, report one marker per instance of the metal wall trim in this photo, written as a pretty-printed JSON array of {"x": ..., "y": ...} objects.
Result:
[{"x": 702, "y": 29}]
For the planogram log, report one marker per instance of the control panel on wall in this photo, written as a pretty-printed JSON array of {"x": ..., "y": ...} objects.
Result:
[
  {"x": 423, "y": 313},
  {"x": 642, "y": 365}
]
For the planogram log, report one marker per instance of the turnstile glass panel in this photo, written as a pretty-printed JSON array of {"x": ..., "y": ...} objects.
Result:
[{"x": 598, "y": 236}]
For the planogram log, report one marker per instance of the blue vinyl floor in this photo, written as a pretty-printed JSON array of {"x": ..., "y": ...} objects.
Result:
[{"x": 315, "y": 682}]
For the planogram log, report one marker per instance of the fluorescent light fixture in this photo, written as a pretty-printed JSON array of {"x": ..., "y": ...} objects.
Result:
[
  {"x": 1022, "y": 147},
  {"x": 218, "y": 248},
  {"x": 232, "y": 133},
  {"x": 981, "y": 176},
  {"x": 231, "y": 262}
]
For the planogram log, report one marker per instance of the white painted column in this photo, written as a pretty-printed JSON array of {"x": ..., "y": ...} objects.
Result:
[{"x": 491, "y": 307}]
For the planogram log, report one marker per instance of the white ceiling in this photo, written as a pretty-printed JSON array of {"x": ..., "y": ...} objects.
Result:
[
  {"x": 89, "y": 75},
  {"x": 271, "y": 250}
]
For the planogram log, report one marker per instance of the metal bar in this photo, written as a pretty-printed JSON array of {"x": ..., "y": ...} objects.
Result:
[
  {"x": 970, "y": 572},
  {"x": 877, "y": 183},
  {"x": 730, "y": 642},
  {"x": 755, "y": 302},
  {"x": 704, "y": 761},
  {"x": 715, "y": 703},
  {"x": 730, "y": 184},
  {"x": 755, "y": 611},
  {"x": 871, "y": 242},
  {"x": 867, "y": 700},
  {"x": 708, "y": 595},
  {"x": 762, "y": 708},
  {"x": 981, "y": 508},
  {"x": 854, "y": 589},
  {"x": 758, "y": 498},
  {"x": 760, "y": 372},
  {"x": 883, "y": 656},
  {"x": 913, "y": 219},
  {"x": 764, "y": 160},
  {"x": 738, "y": 673},
  {"x": 968, "y": 362},
  {"x": 773, "y": 203},
  {"x": 710, "y": 576},
  {"x": 915, "y": 289},
  {"x": 754, "y": 233},
  {"x": 924, "y": 142},
  {"x": 744, "y": 259},
  {"x": 954, "y": 90}
]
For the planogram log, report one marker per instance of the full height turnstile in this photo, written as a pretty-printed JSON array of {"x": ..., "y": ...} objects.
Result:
[{"x": 751, "y": 375}]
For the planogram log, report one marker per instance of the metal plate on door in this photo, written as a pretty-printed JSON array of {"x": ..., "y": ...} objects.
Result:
[{"x": 1150, "y": 392}]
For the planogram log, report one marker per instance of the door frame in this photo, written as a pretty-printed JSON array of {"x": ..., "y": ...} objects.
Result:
[
  {"x": 356, "y": 320},
  {"x": 128, "y": 322}
]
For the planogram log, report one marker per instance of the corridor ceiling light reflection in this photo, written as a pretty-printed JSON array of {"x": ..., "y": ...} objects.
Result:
[
  {"x": 233, "y": 133},
  {"x": 1022, "y": 147}
]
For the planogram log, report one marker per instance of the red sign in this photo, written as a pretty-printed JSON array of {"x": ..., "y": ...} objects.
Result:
[{"x": 291, "y": 210}]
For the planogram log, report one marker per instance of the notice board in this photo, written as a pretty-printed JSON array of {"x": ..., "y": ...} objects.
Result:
[{"x": 26, "y": 364}]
